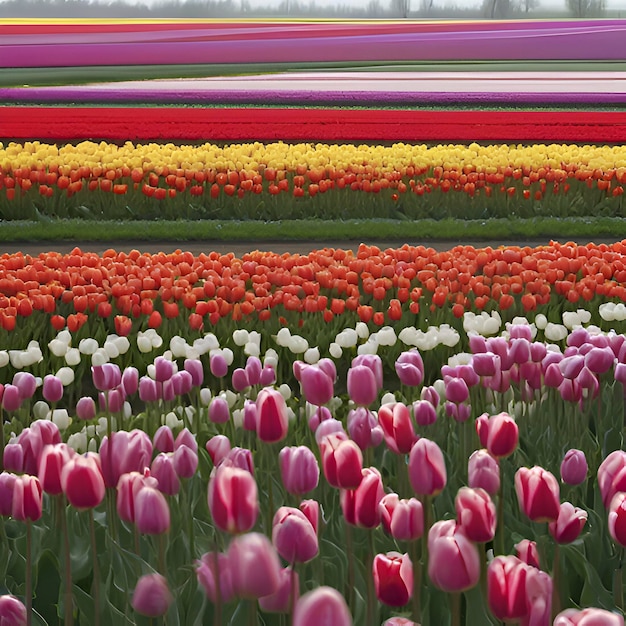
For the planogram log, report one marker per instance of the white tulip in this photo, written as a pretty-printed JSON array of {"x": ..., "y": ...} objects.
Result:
[
  {"x": 312, "y": 355},
  {"x": 78, "y": 442},
  {"x": 65, "y": 336},
  {"x": 72, "y": 357},
  {"x": 4, "y": 358},
  {"x": 40, "y": 410},
  {"x": 282, "y": 337},
  {"x": 61, "y": 418},
  {"x": 58, "y": 348},
  {"x": 462, "y": 358},
  {"x": 362, "y": 330},
  {"x": 571, "y": 319},
  {"x": 231, "y": 397},
  {"x": 386, "y": 336},
  {"x": 88, "y": 345},
  {"x": 369, "y": 347},
  {"x": 541, "y": 321},
  {"x": 252, "y": 349},
  {"x": 335, "y": 350},
  {"x": 65, "y": 375},
  {"x": 347, "y": 338},
  {"x": 237, "y": 416},
  {"x": 240, "y": 337},
  {"x": 172, "y": 420},
  {"x": 285, "y": 391},
  {"x": 555, "y": 332},
  {"x": 211, "y": 341},
  {"x": 99, "y": 357},
  {"x": 144, "y": 344},
  {"x": 111, "y": 349},
  {"x": 254, "y": 337},
  {"x": 205, "y": 396},
  {"x": 298, "y": 344},
  {"x": 388, "y": 398},
  {"x": 92, "y": 446},
  {"x": 121, "y": 343},
  {"x": 584, "y": 315},
  {"x": 440, "y": 387},
  {"x": 178, "y": 346},
  {"x": 15, "y": 356},
  {"x": 408, "y": 335},
  {"x": 271, "y": 358}
]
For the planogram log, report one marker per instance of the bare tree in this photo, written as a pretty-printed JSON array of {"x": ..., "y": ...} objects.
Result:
[
  {"x": 528, "y": 5},
  {"x": 586, "y": 8},
  {"x": 426, "y": 6},
  {"x": 401, "y": 7},
  {"x": 497, "y": 9}
]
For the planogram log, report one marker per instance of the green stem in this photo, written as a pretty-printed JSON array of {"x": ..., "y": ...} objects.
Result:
[
  {"x": 556, "y": 582},
  {"x": 414, "y": 553},
  {"x": 427, "y": 505},
  {"x": 217, "y": 612},
  {"x": 162, "y": 549},
  {"x": 1, "y": 440},
  {"x": 350, "y": 553},
  {"x": 29, "y": 573},
  {"x": 68, "y": 604},
  {"x": 369, "y": 574},
  {"x": 96, "y": 569},
  {"x": 292, "y": 593},
  {"x": 252, "y": 613},
  {"x": 456, "y": 609},
  {"x": 499, "y": 543},
  {"x": 618, "y": 582}
]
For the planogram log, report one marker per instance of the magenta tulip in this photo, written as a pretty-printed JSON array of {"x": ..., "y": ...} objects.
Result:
[
  {"x": 323, "y": 605},
  {"x": 299, "y": 469},
  {"x": 162, "y": 469},
  {"x": 124, "y": 452},
  {"x": 82, "y": 481},
  {"x": 12, "y": 611},
  {"x": 163, "y": 440},
  {"x": 393, "y": 578},
  {"x": 410, "y": 368},
  {"x": 219, "y": 411},
  {"x": 363, "y": 428},
  {"x": 569, "y": 524},
  {"x": 498, "y": 433},
  {"x": 86, "y": 408},
  {"x": 361, "y": 505},
  {"x": 617, "y": 519},
  {"x": 152, "y": 596},
  {"x": 311, "y": 509},
  {"x": 526, "y": 550},
  {"x": 483, "y": 472},
  {"x": 185, "y": 461},
  {"x": 52, "y": 388},
  {"x": 424, "y": 412},
  {"x": 218, "y": 365},
  {"x": 342, "y": 462},
  {"x": 427, "y": 468},
  {"x": 130, "y": 380},
  {"x": 574, "y": 467},
  {"x": 588, "y": 617},
  {"x": 612, "y": 476},
  {"x": 7, "y": 483},
  {"x": 214, "y": 573},
  {"x": 395, "y": 420},
  {"x": 218, "y": 447},
  {"x": 106, "y": 377},
  {"x": 476, "y": 514},
  {"x": 152, "y": 513},
  {"x": 27, "y": 499},
  {"x": 293, "y": 535},
  {"x": 282, "y": 600},
  {"x": 127, "y": 488},
  {"x": 403, "y": 519},
  {"x": 53, "y": 459},
  {"x": 272, "y": 421},
  {"x": 317, "y": 382}
]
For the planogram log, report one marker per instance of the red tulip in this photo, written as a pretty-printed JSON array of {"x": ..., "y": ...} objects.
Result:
[
  {"x": 323, "y": 605},
  {"x": 233, "y": 500},
  {"x": 83, "y": 483},
  {"x": 498, "y": 433},
  {"x": 395, "y": 420},
  {"x": 569, "y": 524},
  {"x": 27, "y": 498},
  {"x": 360, "y": 505},
  {"x": 538, "y": 494},
  {"x": 453, "y": 561},
  {"x": 427, "y": 468},
  {"x": 476, "y": 514},
  {"x": 53, "y": 459},
  {"x": 393, "y": 578},
  {"x": 342, "y": 462},
  {"x": 272, "y": 421},
  {"x": 293, "y": 535}
]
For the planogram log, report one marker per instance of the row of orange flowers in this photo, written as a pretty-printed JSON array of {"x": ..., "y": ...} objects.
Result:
[{"x": 379, "y": 285}]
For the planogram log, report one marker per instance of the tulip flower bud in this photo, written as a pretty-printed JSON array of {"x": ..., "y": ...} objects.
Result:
[
  {"x": 52, "y": 389},
  {"x": 311, "y": 508},
  {"x": 163, "y": 369},
  {"x": 527, "y": 552},
  {"x": 427, "y": 468},
  {"x": 13, "y": 458},
  {"x": 410, "y": 368},
  {"x": 12, "y": 611},
  {"x": 293, "y": 535},
  {"x": 424, "y": 412},
  {"x": 361, "y": 505},
  {"x": 215, "y": 569},
  {"x": 130, "y": 380},
  {"x": 152, "y": 513},
  {"x": 569, "y": 524},
  {"x": 299, "y": 469},
  {"x": 286, "y": 596},
  {"x": 612, "y": 476},
  {"x": 588, "y": 617},
  {"x": 53, "y": 459},
  {"x": 362, "y": 387},
  {"x": 574, "y": 467},
  {"x": 476, "y": 514},
  {"x": 342, "y": 462},
  {"x": 483, "y": 472},
  {"x": 272, "y": 419},
  {"x": 498, "y": 433},
  {"x": 106, "y": 377},
  {"x": 11, "y": 398},
  {"x": 538, "y": 494},
  {"x": 233, "y": 500},
  {"x": 152, "y": 596},
  {"x": 255, "y": 566},
  {"x": 162, "y": 469},
  {"x": 163, "y": 440},
  {"x": 323, "y": 605},
  {"x": 127, "y": 488},
  {"x": 218, "y": 447},
  {"x": 218, "y": 365},
  {"x": 82, "y": 481},
  {"x": 26, "y": 384},
  {"x": 241, "y": 458},
  {"x": 185, "y": 461},
  {"x": 393, "y": 578},
  {"x": 317, "y": 382},
  {"x": 27, "y": 498},
  {"x": 453, "y": 561},
  {"x": 364, "y": 428},
  {"x": 86, "y": 408},
  {"x": 395, "y": 420},
  {"x": 148, "y": 389},
  {"x": 406, "y": 521}
]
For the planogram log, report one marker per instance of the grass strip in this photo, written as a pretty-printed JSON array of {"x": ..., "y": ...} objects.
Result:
[{"x": 312, "y": 230}]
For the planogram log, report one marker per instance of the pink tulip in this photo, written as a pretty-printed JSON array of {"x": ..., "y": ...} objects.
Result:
[
  {"x": 152, "y": 513},
  {"x": 148, "y": 389},
  {"x": 476, "y": 514},
  {"x": 538, "y": 494},
  {"x": 342, "y": 462},
  {"x": 53, "y": 459},
  {"x": 311, "y": 509},
  {"x": 399, "y": 621},
  {"x": 410, "y": 368},
  {"x": 330, "y": 427},
  {"x": 293, "y": 535},
  {"x": 112, "y": 401},
  {"x": 317, "y": 382},
  {"x": 218, "y": 447},
  {"x": 393, "y": 578},
  {"x": 569, "y": 524},
  {"x": 498, "y": 433},
  {"x": 130, "y": 380},
  {"x": 427, "y": 468},
  {"x": 456, "y": 389},
  {"x": 249, "y": 415},
  {"x": 363, "y": 428},
  {"x": 272, "y": 421},
  {"x": 52, "y": 388},
  {"x": 152, "y": 596},
  {"x": 7, "y": 483},
  {"x": 82, "y": 481},
  {"x": 185, "y": 461},
  {"x": 127, "y": 488},
  {"x": 182, "y": 382},
  {"x": 453, "y": 561},
  {"x": 26, "y": 384},
  {"x": 397, "y": 426},
  {"x": 186, "y": 438},
  {"x": 218, "y": 365},
  {"x": 617, "y": 519},
  {"x": 506, "y": 587},
  {"x": 365, "y": 379},
  {"x": 319, "y": 416},
  {"x": 424, "y": 412},
  {"x": 124, "y": 452},
  {"x": 239, "y": 380},
  {"x": 233, "y": 500},
  {"x": 574, "y": 467},
  {"x": 588, "y": 617},
  {"x": 486, "y": 363},
  {"x": 106, "y": 377},
  {"x": 12, "y": 611},
  {"x": 85, "y": 408},
  {"x": 404, "y": 519},
  {"x": 323, "y": 605},
  {"x": 163, "y": 369},
  {"x": 299, "y": 469},
  {"x": 163, "y": 440},
  {"x": 527, "y": 552},
  {"x": 538, "y": 598},
  {"x": 13, "y": 458},
  {"x": 162, "y": 469},
  {"x": 600, "y": 360},
  {"x": 286, "y": 596},
  {"x": 387, "y": 506},
  {"x": 196, "y": 370},
  {"x": 219, "y": 412},
  {"x": 11, "y": 398},
  {"x": 483, "y": 472},
  {"x": 612, "y": 476},
  {"x": 360, "y": 505},
  {"x": 241, "y": 458},
  {"x": 255, "y": 566},
  {"x": 213, "y": 570},
  {"x": 33, "y": 440},
  {"x": 27, "y": 499}
]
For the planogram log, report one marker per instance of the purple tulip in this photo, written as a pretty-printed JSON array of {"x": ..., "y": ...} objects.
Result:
[
  {"x": 52, "y": 389},
  {"x": 410, "y": 368}
]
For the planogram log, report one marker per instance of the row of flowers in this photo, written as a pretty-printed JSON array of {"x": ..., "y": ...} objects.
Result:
[
  {"x": 225, "y": 181},
  {"x": 421, "y": 493}
]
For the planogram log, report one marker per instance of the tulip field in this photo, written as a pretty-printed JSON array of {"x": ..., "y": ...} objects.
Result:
[{"x": 361, "y": 435}]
